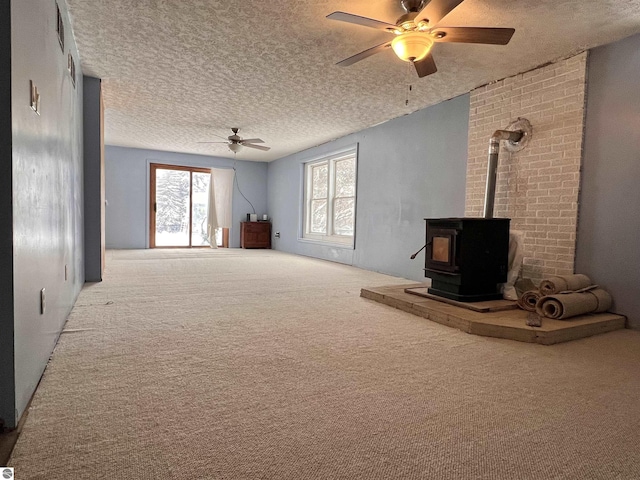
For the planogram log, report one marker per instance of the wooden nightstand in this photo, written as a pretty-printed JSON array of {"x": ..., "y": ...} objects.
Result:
[{"x": 255, "y": 234}]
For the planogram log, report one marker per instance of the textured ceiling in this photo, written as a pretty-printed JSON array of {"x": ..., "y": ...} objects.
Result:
[{"x": 178, "y": 72}]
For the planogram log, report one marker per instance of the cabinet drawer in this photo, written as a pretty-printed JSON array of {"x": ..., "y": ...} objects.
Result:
[{"x": 256, "y": 227}]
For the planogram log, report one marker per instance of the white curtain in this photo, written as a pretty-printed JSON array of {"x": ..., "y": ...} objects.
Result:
[{"x": 219, "y": 208}]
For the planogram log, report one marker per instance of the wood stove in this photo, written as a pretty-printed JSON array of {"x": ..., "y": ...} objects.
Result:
[{"x": 467, "y": 258}]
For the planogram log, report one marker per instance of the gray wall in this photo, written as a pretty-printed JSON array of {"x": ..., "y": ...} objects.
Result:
[
  {"x": 409, "y": 168},
  {"x": 609, "y": 223},
  {"x": 47, "y": 188},
  {"x": 127, "y": 192},
  {"x": 7, "y": 383},
  {"x": 92, "y": 198}
]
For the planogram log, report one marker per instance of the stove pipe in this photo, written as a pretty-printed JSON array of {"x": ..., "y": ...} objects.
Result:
[{"x": 494, "y": 150}]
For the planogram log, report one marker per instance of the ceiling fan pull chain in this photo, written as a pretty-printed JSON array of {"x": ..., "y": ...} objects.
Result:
[{"x": 409, "y": 85}]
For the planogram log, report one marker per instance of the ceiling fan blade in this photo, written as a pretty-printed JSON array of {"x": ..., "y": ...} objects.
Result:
[
  {"x": 491, "y": 36},
  {"x": 426, "y": 66},
  {"x": 358, "y": 20},
  {"x": 362, "y": 55},
  {"x": 252, "y": 140},
  {"x": 436, "y": 10},
  {"x": 212, "y": 142},
  {"x": 259, "y": 147},
  {"x": 216, "y": 135}
]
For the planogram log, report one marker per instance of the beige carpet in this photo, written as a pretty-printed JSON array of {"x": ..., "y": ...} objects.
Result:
[{"x": 234, "y": 364}]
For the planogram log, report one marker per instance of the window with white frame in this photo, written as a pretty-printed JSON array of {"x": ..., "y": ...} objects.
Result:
[{"x": 330, "y": 198}]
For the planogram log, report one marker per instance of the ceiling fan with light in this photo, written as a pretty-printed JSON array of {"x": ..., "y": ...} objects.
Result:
[
  {"x": 236, "y": 142},
  {"x": 416, "y": 32}
]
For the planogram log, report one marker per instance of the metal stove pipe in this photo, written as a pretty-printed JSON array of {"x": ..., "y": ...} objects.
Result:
[{"x": 492, "y": 167}]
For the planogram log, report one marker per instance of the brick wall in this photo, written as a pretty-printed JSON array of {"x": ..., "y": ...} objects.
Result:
[{"x": 537, "y": 187}]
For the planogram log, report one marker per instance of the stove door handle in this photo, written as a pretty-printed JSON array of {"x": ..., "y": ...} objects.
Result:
[{"x": 423, "y": 247}]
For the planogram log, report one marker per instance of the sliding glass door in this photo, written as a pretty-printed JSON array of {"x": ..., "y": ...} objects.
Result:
[
  {"x": 179, "y": 199},
  {"x": 199, "y": 203}
]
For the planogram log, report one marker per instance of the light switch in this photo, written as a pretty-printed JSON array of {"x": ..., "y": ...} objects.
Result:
[
  {"x": 43, "y": 302},
  {"x": 35, "y": 97}
]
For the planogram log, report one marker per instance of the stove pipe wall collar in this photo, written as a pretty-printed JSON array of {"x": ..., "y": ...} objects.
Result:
[{"x": 516, "y": 135}]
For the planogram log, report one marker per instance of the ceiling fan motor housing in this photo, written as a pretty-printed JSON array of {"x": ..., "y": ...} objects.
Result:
[
  {"x": 413, "y": 5},
  {"x": 235, "y": 138}
]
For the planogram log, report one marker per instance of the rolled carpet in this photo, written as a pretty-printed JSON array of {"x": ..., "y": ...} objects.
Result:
[
  {"x": 570, "y": 304},
  {"x": 529, "y": 299},
  {"x": 562, "y": 283}
]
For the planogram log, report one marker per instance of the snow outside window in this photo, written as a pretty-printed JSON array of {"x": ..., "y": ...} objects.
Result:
[{"x": 330, "y": 198}]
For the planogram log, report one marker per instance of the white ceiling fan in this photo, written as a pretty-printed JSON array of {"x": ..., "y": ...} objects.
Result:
[{"x": 236, "y": 142}]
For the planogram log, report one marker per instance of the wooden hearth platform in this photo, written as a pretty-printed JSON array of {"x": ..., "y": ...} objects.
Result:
[{"x": 509, "y": 324}]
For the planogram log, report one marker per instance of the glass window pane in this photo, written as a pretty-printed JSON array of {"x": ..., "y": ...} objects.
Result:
[
  {"x": 172, "y": 208},
  {"x": 200, "y": 202},
  {"x": 344, "y": 216},
  {"x": 318, "y": 217},
  {"x": 346, "y": 177},
  {"x": 320, "y": 184}
]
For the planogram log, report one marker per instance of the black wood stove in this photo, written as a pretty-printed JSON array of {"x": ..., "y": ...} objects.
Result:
[{"x": 467, "y": 258}]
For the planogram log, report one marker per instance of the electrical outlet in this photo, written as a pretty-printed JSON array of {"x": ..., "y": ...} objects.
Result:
[
  {"x": 277, "y": 235},
  {"x": 43, "y": 301}
]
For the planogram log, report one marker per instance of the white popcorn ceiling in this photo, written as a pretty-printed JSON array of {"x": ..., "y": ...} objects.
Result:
[{"x": 177, "y": 72}]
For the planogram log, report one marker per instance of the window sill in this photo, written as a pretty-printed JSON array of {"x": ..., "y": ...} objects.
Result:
[{"x": 344, "y": 246}]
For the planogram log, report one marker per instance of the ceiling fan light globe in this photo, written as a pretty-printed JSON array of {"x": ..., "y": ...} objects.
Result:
[
  {"x": 235, "y": 147},
  {"x": 412, "y": 46}
]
